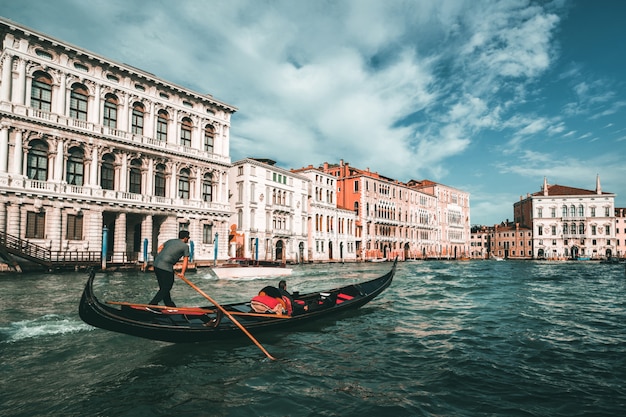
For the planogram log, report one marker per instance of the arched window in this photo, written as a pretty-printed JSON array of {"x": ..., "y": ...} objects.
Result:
[
  {"x": 107, "y": 172},
  {"x": 134, "y": 179},
  {"x": 572, "y": 229},
  {"x": 75, "y": 167},
  {"x": 162, "y": 126},
  {"x": 185, "y": 132},
  {"x": 581, "y": 229},
  {"x": 183, "y": 184},
  {"x": 159, "y": 181},
  {"x": 209, "y": 136},
  {"x": 356, "y": 208},
  {"x": 239, "y": 219},
  {"x": 207, "y": 187},
  {"x": 581, "y": 211},
  {"x": 572, "y": 211},
  {"x": 110, "y": 111},
  {"x": 564, "y": 211},
  {"x": 41, "y": 92},
  {"x": 137, "y": 119},
  {"x": 78, "y": 102},
  {"x": 37, "y": 161}
]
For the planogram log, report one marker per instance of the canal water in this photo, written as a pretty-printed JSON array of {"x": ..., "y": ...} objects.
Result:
[{"x": 478, "y": 338}]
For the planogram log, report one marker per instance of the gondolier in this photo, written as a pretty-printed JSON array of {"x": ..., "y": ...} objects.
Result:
[{"x": 169, "y": 253}]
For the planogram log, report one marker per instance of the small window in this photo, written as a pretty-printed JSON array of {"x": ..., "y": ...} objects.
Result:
[
  {"x": 81, "y": 67},
  {"x": 35, "y": 225},
  {"x": 41, "y": 92},
  {"x": 185, "y": 132},
  {"x": 137, "y": 119},
  {"x": 183, "y": 184},
  {"x": 134, "y": 185},
  {"x": 110, "y": 111},
  {"x": 78, "y": 102},
  {"x": 112, "y": 77},
  {"x": 107, "y": 172},
  {"x": 207, "y": 187},
  {"x": 162, "y": 126},
  {"x": 75, "y": 166},
  {"x": 159, "y": 181},
  {"x": 207, "y": 233},
  {"x": 74, "y": 227},
  {"x": 140, "y": 87},
  {"x": 209, "y": 135},
  {"x": 37, "y": 161},
  {"x": 43, "y": 54}
]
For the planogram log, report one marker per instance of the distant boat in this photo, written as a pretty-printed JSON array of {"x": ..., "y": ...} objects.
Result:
[
  {"x": 496, "y": 258},
  {"x": 244, "y": 268},
  {"x": 583, "y": 258},
  {"x": 378, "y": 260}
]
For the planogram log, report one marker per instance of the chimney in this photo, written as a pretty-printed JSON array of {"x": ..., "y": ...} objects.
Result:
[
  {"x": 598, "y": 186},
  {"x": 545, "y": 186}
]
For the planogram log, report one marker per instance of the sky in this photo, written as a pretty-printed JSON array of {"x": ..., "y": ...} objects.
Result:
[{"x": 487, "y": 96}]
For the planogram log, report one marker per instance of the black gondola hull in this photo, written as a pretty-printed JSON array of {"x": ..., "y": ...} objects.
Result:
[{"x": 190, "y": 328}]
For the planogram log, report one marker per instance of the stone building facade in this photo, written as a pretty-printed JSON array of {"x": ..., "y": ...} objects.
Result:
[
  {"x": 568, "y": 222},
  {"x": 96, "y": 153},
  {"x": 620, "y": 232},
  {"x": 271, "y": 211},
  {"x": 331, "y": 229}
]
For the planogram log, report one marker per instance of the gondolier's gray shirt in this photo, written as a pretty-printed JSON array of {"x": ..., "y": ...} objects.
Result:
[{"x": 172, "y": 251}]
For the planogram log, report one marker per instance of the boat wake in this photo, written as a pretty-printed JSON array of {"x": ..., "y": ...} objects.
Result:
[{"x": 50, "y": 324}]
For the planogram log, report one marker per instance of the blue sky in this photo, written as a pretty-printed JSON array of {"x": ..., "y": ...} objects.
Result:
[{"x": 488, "y": 96}]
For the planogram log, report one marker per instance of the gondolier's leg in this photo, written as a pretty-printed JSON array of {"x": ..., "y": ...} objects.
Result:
[{"x": 166, "y": 281}]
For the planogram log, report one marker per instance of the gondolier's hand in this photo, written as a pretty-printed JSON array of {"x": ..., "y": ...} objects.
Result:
[{"x": 180, "y": 275}]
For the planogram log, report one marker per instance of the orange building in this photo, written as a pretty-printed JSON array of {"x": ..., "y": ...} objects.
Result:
[{"x": 408, "y": 220}]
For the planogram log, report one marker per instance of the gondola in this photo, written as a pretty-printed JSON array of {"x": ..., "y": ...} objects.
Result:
[{"x": 206, "y": 324}]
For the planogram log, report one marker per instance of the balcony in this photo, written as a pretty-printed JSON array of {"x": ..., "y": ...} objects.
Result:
[
  {"x": 112, "y": 134},
  {"x": 96, "y": 194}
]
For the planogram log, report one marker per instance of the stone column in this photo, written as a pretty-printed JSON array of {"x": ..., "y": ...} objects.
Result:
[
  {"x": 3, "y": 215},
  {"x": 13, "y": 219},
  {"x": 149, "y": 121},
  {"x": 96, "y": 107},
  {"x": 4, "y": 148},
  {"x": 218, "y": 196},
  {"x": 123, "y": 122},
  {"x": 61, "y": 95},
  {"x": 198, "y": 190},
  {"x": 54, "y": 227},
  {"x": 18, "y": 153},
  {"x": 150, "y": 179},
  {"x": 5, "y": 87},
  {"x": 173, "y": 181},
  {"x": 20, "y": 85},
  {"x": 146, "y": 233},
  {"x": 172, "y": 128},
  {"x": 124, "y": 174},
  {"x": 93, "y": 229},
  {"x": 93, "y": 176},
  {"x": 59, "y": 160},
  {"x": 119, "y": 243}
]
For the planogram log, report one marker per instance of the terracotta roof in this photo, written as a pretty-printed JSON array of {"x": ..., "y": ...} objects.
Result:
[{"x": 564, "y": 190}]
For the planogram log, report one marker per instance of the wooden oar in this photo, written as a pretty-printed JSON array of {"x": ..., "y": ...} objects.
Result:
[
  {"x": 181, "y": 310},
  {"x": 196, "y": 310},
  {"x": 230, "y": 316}
]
